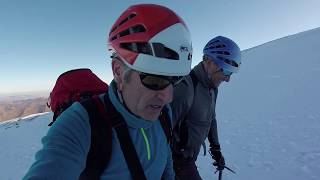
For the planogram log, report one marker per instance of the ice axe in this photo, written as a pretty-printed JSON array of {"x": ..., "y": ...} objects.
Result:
[{"x": 220, "y": 169}]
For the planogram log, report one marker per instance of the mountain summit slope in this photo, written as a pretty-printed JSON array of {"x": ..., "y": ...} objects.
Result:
[{"x": 268, "y": 117}]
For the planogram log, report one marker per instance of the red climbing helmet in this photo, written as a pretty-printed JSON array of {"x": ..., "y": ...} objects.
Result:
[{"x": 152, "y": 39}]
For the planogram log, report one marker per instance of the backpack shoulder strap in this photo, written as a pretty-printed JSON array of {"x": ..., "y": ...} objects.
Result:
[
  {"x": 99, "y": 153},
  {"x": 127, "y": 147},
  {"x": 101, "y": 122}
]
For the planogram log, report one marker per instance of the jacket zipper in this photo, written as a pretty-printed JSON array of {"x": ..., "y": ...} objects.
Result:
[{"x": 146, "y": 141}]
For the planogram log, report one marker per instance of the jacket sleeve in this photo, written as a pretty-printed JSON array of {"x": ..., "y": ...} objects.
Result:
[
  {"x": 65, "y": 147},
  {"x": 182, "y": 100},
  {"x": 213, "y": 132}
]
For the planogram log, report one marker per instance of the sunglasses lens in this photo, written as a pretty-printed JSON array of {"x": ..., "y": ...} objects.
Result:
[
  {"x": 227, "y": 73},
  {"x": 154, "y": 82}
]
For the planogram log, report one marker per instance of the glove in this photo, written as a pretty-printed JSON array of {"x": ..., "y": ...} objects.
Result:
[{"x": 216, "y": 154}]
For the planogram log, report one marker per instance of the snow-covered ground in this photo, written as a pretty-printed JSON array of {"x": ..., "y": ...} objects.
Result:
[
  {"x": 20, "y": 139},
  {"x": 268, "y": 117}
]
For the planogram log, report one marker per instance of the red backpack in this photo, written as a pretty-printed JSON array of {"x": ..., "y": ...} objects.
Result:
[
  {"x": 84, "y": 86},
  {"x": 71, "y": 86}
]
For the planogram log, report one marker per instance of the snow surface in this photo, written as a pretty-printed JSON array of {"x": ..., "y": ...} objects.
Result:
[
  {"x": 268, "y": 117},
  {"x": 20, "y": 140}
]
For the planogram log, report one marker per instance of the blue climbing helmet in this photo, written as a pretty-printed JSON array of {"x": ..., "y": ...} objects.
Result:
[{"x": 225, "y": 53}]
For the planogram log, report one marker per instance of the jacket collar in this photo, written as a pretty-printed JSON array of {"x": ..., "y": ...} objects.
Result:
[{"x": 202, "y": 76}]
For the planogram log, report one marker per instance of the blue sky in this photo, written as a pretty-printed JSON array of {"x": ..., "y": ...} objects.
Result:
[{"x": 40, "y": 39}]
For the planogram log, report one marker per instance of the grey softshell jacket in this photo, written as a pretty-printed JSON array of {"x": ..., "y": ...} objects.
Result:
[{"x": 197, "y": 108}]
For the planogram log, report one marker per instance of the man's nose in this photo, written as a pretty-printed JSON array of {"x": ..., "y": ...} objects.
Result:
[{"x": 165, "y": 94}]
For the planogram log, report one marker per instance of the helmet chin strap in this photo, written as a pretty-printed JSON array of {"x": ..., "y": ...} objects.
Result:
[
  {"x": 120, "y": 96},
  {"x": 124, "y": 103}
]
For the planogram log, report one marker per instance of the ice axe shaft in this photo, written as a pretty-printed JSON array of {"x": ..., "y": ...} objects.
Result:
[
  {"x": 220, "y": 175},
  {"x": 230, "y": 169},
  {"x": 220, "y": 172}
]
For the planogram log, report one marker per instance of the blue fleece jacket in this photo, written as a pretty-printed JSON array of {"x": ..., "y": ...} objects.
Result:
[{"x": 67, "y": 143}]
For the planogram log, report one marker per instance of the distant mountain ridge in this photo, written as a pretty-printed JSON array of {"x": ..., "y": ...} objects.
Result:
[
  {"x": 11, "y": 109},
  {"x": 23, "y": 95}
]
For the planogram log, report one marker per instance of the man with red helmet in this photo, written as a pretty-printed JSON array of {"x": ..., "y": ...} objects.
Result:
[{"x": 151, "y": 50}]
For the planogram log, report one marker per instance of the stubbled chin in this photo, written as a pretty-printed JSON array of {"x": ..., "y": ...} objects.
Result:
[
  {"x": 150, "y": 118},
  {"x": 151, "y": 114}
]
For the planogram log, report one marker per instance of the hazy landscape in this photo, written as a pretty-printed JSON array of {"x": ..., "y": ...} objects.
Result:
[{"x": 20, "y": 105}]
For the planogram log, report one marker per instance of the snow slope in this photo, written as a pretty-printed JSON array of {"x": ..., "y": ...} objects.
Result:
[
  {"x": 20, "y": 139},
  {"x": 268, "y": 117}
]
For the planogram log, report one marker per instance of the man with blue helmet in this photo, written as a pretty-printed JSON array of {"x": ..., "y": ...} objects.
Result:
[{"x": 194, "y": 104}]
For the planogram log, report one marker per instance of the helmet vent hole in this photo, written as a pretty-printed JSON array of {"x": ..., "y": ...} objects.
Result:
[
  {"x": 217, "y": 46},
  {"x": 228, "y": 61},
  {"x": 221, "y": 52},
  {"x": 220, "y": 46},
  {"x": 138, "y": 28},
  {"x": 132, "y": 30},
  {"x": 122, "y": 22},
  {"x": 113, "y": 38},
  {"x": 216, "y": 41},
  {"x": 124, "y": 33},
  {"x": 126, "y": 19},
  {"x": 113, "y": 29},
  {"x": 138, "y": 47},
  {"x": 163, "y": 52}
]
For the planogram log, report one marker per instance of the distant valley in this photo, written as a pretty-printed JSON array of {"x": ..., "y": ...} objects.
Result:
[{"x": 12, "y": 107}]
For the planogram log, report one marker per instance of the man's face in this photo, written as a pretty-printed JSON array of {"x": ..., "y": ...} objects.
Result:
[
  {"x": 216, "y": 74},
  {"x": 142, "y": 101}
]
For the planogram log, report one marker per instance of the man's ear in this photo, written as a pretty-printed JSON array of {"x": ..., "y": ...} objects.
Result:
[
  {"x": 209, "y": 67},
  {"x": 117, "y": 69},
  {"x": 206, "y": 64}
]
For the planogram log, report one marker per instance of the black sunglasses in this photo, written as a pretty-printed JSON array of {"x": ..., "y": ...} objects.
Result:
[{"x": 158, "y": 82}]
